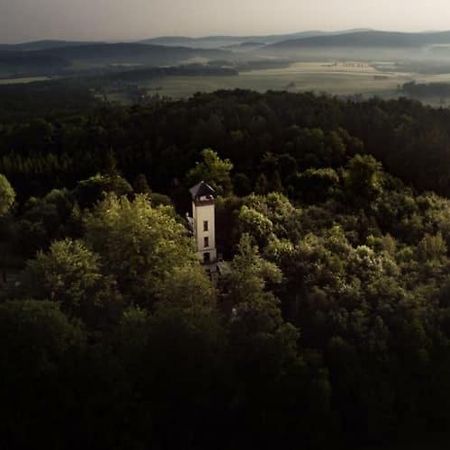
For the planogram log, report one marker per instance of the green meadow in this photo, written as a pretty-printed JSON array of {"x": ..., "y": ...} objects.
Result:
[{"x": 340, "y": 79}]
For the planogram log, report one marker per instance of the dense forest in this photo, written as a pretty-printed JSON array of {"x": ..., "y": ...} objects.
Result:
[{"x": 329, "y": 329}]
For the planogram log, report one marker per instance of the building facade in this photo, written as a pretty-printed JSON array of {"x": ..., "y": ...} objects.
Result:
[{"x": 204, "y": 222}]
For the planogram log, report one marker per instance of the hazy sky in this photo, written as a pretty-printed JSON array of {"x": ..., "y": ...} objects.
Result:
[{"x": 22, "y": 20}]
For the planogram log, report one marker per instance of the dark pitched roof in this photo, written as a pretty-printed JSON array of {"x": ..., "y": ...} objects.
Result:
[{"x": 202, "y": 189}]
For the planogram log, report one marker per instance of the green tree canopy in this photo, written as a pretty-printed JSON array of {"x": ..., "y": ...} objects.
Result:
[
  {"x": 44, "y": 220},
  {"x": 214, "y": 171},
  {"x": 187, "y": 289},
  {"x": 139, "y": 245},
  {"x": 250, "y": 274},
  {"x": 7, "y": 195},
  {"x": 91, "y": 190},
  {"x": 71, "y": 275},
  {"x": 364, "y": 177}
]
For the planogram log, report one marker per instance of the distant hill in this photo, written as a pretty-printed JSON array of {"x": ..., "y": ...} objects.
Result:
[
  {"x": 66, "y": 59},
  {"x": 192, "y": 70},
  {"x": 206, "y": 42},
  {"x": 19, "y": 63},
  {"x": 211, "y": 42},
  {"x": 366, "y": 39},
  {"x": 229, "y": 41},
  {"x": 130, "y": 53},
  {"x": 56, "y": 57},
  {"x": 42, "y": 45}
]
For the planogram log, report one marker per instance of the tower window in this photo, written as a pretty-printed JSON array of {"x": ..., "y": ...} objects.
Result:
[
  {"x": 205, "y": 225},
  {"x": 206, "y": 242},
  {"x": 206, "y": 258}
]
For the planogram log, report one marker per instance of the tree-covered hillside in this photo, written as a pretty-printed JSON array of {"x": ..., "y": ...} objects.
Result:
[
  {"x": 73, "y": 59},
  {"x": 330, "y": 327},
  {"x": 261, "y": 133}
]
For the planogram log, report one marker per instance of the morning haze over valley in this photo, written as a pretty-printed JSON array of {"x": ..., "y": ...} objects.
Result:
[
  {"x": 142, "y": 48},
  {"x": 351, "y": 62},
  {"x": 224, "y": 225}
]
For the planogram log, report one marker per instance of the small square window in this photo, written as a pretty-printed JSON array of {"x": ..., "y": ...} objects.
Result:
[
  {"x": 206, "y": 242},
  {"x": 205, "y": 225}
]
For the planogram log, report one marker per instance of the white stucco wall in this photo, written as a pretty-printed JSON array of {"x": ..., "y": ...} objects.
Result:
[{"x": 203, "y": 213}]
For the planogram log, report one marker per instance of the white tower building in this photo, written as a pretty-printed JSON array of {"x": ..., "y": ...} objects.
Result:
[{"x": 204, "y": 222}]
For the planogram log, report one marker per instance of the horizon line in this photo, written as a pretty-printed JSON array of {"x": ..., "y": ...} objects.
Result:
[{"x": 219, "y": 35}]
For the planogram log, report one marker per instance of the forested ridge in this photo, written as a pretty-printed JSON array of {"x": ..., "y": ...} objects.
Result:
[
  {"x": 330, "y": 328},
  {"x": 164, "y": 139}
]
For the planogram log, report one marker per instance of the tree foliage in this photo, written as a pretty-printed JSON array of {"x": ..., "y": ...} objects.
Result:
[
  {"x": 214, "y": 171},
  {"x": 140, "y": 245},
  {"x": 7, "y": 195},
  {"x": 71, "y": 275},
  {"x": 329, "y": 325}
]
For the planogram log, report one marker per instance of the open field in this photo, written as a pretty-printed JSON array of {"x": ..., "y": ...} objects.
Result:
[
  {"x": 22, "y": 80},
  {"x": 336, "y": 78},
  {"x": 438, "y": 78}
]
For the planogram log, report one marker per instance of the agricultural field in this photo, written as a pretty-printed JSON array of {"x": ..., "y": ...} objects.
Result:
[
  {"x": 345, "y": 78},
  {"x": 24, "y": 80}
]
